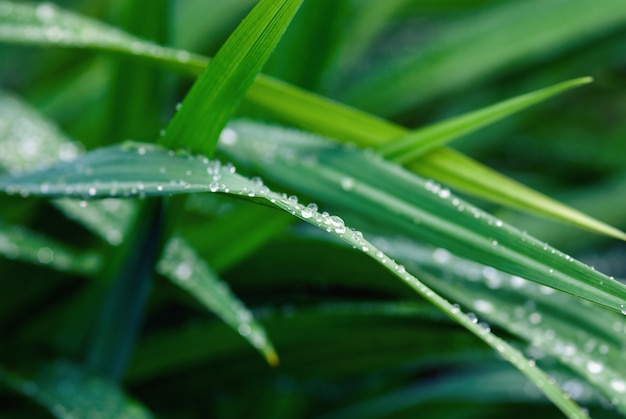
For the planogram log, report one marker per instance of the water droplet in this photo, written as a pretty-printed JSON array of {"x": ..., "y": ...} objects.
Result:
[
  {"x": 444, "y": 193},
  {"x": 228, "y": 137},
  {"x": 347, "y": 183},
  {"x": 306, "y": 212},
  {"x": 179, "y": 105},
  {"x": 494, "y": 243},
  {"x": 534, "y": 318},
  {"x": 244, "y": 329},
  {"x": 483, "y": 306},
  {"x": 441, "y": 256},
  {"x": 214, "y": 186},
  {"x": 338, "y": 224},
  {"x": 229, "y": 168},
  {"x": 183, "y": 271},
  {"x": 45, "y": 255},
  {"x": 472, "y": 317},
  {"x": 92, "y": 191},
  {"x": 618, "y": 385},
  {"x": 594, "y": 367},
  {"x": 45, "y": 12},
  {"x": 293, "y": 199}
]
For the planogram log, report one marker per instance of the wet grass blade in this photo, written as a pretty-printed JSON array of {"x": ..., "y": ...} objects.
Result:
[
  {"x": 216, "y": 94},
  {"x": 68, "y": 391},
  {"x": 411, "y": 205},
  {"x": 19, "y": 243},
  {"x": 134, "y": 170},
  {"x": 418, "y": 142},
  {"x": 181, "y": 265},
  {"x": 20, "y": 24}
]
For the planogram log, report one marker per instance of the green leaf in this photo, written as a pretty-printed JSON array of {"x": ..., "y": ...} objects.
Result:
[
  {"x": 19, "y": 23},
  {"x": 552, "y": 322},
  {"x": 181, "y": 265},
  {"x": 68, "y": 391},
  {"x": 136, "y": 169},
  {"x": 30, "y": 141},
  {"x": 17, "y": 242},
  {"x": 418, "y": 142},
  {"x": 466, "y": 51},
  {"x": 46, "y": 24},
  {"x": 216, "y": 94},
  {"x": 410, "y": 205}
]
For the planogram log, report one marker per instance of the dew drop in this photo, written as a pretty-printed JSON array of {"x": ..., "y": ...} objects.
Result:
[
  {"x": 214, "y": 186},
  {"x": 306, "y": 212},
  {"x": 244, "y": 329},
  {"x": 594, "y": 367},
  {"x": 228, "y": 137},
  {"x": 92, "y": 191},
  {"x": 338, "y": 224},
  {"x": 618, "y": 385},
  {"x": 183, "y": 271},
  {"x": 347, "y": 183},
  {"x": 45, "y": 12},
  {"x": 45, "y": 255}
]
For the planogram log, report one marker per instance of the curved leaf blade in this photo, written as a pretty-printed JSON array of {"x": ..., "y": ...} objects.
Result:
[
  {"x": 106, "y": 165},
  {"x": 388, "y": 194},
  {"x": 298, "y": 107},
  {"x": 68, "y": 391},
  {"x": 182, "y": 266},
  {"x": 419, "y": 141},
  {"x": 17, "y": 242}
]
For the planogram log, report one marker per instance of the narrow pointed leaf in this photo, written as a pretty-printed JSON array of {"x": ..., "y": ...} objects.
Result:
[
  {"x": 217, "y": 93},
  {"x": 403, "y": 201},
  {"x": 29, "y": 141},
  {"x": 181, "y": 264},
  {"x": 420, "y": 141},
  {"x": 19, "y": 243},
  {"x": 68, "y": 391},
  {"x": 135, "y": 170},
  {"x": 19, "y": 24}
]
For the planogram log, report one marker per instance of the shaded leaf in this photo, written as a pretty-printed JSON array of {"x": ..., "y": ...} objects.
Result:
[{"x": 68, "y": 391}]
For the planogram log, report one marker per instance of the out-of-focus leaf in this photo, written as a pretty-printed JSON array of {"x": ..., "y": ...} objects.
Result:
[
  {"x": 19, "y": 243},
  {"x": 68, "y": 391},
  {"x": 181, "y": 265},
  {"x": 467, "y": 51}
]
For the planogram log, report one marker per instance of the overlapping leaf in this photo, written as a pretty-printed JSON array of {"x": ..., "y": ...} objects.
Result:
[
  {"x": 32, "y": 25},
  {"x": 137, "y": 170},
  {"x": 68, "y": 391}
]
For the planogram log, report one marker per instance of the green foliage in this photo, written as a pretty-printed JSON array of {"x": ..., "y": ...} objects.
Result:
[{"x": 156, "y": 267}]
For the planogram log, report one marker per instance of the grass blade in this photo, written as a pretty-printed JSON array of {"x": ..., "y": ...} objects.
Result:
[
  {"x": 204, "y": 175},
  {"x": 181, "y": 265},
  {"x": 68, "y": 391},
  {"x": 216, "y": 94},
  {"x": 420, "y": 141},
  {"x": 19, "y": 243},
  {"x": 19, "y": 24},
  {"x": 413, "y": 206}
]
